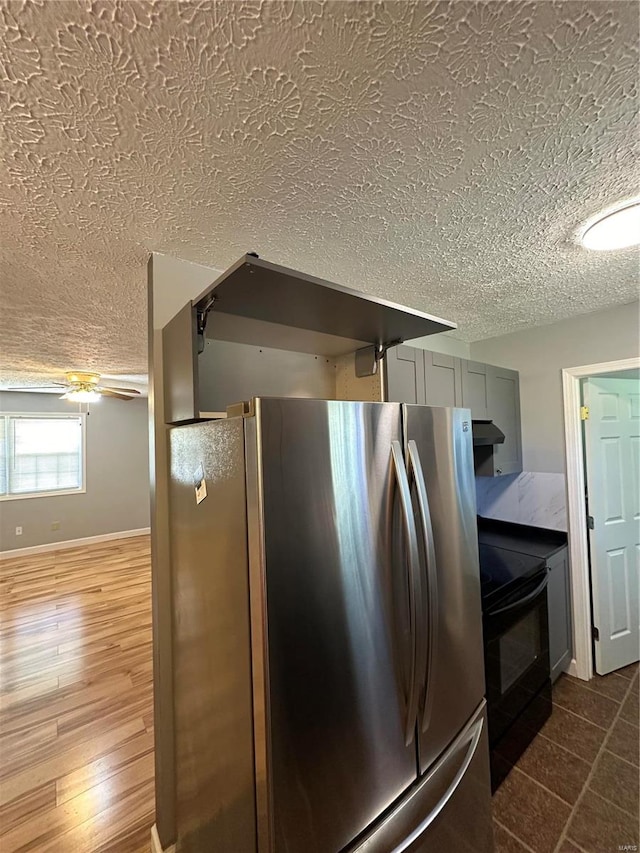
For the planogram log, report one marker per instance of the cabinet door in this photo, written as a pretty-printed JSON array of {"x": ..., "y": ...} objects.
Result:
[
  {"x": 474, "y": 389},
  {"x": 404, "y": 373},
  {"x": 443, "y": 379},
  {"x": 559, "y": 598},
  {"x": 503, "y": 404}
]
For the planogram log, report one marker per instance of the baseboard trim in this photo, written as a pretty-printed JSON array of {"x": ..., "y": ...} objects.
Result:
[
  {"x": 73, "y": 543},
  {"x": 572, "y": 669},
  {"x": 156, "y": 847}
]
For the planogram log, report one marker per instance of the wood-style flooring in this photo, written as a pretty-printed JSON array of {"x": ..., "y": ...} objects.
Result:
[{"x": 76, "y": 709}]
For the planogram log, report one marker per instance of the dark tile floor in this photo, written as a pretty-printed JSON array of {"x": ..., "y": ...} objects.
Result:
[{"x": 575, "y": 789}]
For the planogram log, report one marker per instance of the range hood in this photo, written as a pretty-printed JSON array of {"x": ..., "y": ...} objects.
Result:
[{"x": 486, "y": 433}]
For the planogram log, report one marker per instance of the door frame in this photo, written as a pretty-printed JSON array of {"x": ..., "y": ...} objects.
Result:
[{"x": 582, "y": 663}]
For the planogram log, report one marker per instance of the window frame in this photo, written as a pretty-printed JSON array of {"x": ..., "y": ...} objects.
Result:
[{"x": 50, "y": 415}]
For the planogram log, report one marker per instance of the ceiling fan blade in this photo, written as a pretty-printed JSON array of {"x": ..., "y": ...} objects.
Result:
[
  {"x": 38, "y": 387},
  {"x": 107, "y": 393},
  {"x": 117, "y": 390}
]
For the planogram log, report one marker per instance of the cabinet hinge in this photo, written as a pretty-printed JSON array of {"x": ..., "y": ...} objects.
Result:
[
  {"x": 584, "y": 413},
  {"x": 591, "y": 522},
  {"x": 595, "y": 633},
  {"x": 202, "y": 315},
  {"x": 367, "y": 358}
]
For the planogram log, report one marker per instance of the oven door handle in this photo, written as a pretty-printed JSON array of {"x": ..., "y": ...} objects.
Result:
[{"x": 521, "y": 601}]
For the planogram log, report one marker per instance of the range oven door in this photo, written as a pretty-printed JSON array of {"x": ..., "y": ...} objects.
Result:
[{"x": 516, "y": 640}]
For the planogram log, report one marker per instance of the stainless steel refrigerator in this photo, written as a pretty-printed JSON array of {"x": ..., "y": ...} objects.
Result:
[{"x": 329, "y": 684}]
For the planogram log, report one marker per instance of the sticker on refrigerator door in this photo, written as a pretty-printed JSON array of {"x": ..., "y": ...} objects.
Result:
[{"x": 200, "y": 484}]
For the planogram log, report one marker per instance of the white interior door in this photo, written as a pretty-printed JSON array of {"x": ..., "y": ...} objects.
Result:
[{"x": 612, "y": 458}]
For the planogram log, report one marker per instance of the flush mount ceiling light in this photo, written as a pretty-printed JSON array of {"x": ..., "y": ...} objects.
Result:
[{"x": 618, "y": 229}]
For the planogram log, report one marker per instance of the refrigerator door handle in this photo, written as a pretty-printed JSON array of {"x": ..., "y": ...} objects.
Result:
[
  {"x": 473, "y": 736},
  {"x": 415, "y": 595},
  {"x": 431, "y": 580}
]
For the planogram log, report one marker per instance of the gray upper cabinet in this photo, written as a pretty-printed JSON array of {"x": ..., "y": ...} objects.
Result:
[
  {"x": 443, "y": 379},
  {"x": 415, "y": 375},
  {"x": 405, "y": 375},
  {"x": 180, "y": 367},
  {"x": 261, "y": 304},
  {"x": 503, "y": 404},
  {"x": 475, "y": 393},
  {"x": 492, "y": 393}
]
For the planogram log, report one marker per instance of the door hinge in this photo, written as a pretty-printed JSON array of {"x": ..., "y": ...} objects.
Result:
[
  {"x": 595, "y": 633},
  {"x": 591, "y": 524},
  {"x": 584, "y": 413}
]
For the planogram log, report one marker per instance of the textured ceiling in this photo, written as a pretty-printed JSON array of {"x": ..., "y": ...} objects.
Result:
[{"x": 438, "y": 154}]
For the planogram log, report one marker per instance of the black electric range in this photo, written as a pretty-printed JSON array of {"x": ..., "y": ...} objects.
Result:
[{"x": 516, "y": 652}]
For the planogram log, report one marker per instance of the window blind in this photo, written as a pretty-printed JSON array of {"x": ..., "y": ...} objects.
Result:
[{"x": 41, "y": 454}]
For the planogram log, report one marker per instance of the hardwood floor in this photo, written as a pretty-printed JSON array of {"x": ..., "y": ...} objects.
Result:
[{"x": 76, "y": 700}]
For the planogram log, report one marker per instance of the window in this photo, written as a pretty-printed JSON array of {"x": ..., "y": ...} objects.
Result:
[{"x": 41, "y": 455}]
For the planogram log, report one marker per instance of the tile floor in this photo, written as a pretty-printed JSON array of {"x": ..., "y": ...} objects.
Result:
[{"x": 576, "y": 787}]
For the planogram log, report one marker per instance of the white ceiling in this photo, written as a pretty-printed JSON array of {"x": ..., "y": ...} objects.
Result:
[{"x": 438, "y": 154}]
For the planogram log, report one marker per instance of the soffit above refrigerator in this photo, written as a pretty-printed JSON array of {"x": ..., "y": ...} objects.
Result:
[{"x": 280, "y": 303}]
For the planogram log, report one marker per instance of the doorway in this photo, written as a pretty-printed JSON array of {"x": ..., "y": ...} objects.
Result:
[
  {"x": 611, "y": 440},
  {"x": 580, "y": 537}
]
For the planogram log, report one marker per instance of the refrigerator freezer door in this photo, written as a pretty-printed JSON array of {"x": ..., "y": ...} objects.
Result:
[
  {"x": 454, "y": 678},
  {"x": 337, "y": 619},
  {"x": 450, "y": 810}
]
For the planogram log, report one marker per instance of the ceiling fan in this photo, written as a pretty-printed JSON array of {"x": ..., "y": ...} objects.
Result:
[{"x": 84, "y": 388}]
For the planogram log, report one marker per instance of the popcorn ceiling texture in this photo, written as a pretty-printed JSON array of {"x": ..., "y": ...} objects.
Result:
[{"x": 438, "y": 154}]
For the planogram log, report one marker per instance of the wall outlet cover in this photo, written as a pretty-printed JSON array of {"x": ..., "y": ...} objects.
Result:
[{"x": 18, "y": 531}]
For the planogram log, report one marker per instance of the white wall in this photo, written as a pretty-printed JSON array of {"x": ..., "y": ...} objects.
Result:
[
  {"x": 176, "y": 282},
  {"x": 117, "y": 495},
  {"x": 540, "y": 353}
]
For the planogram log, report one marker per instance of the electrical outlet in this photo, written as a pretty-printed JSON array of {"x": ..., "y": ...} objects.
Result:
[
  {"x": 55, "y": 525},
  {"x": 18, "y": 531}
]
